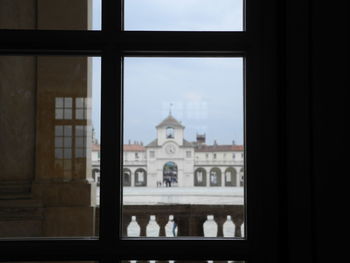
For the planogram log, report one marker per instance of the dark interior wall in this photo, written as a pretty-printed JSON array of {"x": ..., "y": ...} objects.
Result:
[
  {"x": 329, "y": 55},
  {"x": 315, "y": 52}
]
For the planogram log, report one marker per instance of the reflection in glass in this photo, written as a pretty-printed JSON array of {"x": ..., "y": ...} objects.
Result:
[
  {"x": 50, "y": 15},
  {"x": 47, "y": 153}
]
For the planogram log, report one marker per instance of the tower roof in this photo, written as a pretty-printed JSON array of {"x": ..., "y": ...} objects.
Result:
[{"x": 170, "y": 121}]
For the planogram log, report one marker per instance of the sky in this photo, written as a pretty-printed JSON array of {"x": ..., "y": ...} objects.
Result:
[
  {"x": 205, "y": 94},
  {"x": 219, "y": 15}
]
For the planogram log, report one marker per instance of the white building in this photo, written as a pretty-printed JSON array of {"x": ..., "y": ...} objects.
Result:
[
  {"x": 172, "y": 170},
  {"x": 171, "y": 160}
]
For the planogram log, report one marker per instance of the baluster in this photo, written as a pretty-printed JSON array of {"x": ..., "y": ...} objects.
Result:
[
  {"x": 171, "y": 228},
  {"x": 152, "y": 229},
  {"x": 242, "y": 230},
  {"x": 133, "y": 229},
  {"x": 210, "y": 227},
  {"x": 229, "y": 227}
]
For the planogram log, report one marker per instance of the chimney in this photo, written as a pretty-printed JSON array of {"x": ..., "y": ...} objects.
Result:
[{"x": 200, "y": 138}]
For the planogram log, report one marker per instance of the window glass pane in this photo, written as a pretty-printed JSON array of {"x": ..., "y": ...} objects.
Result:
[
  {"x": 79, "y": 130},
  {"x": 59, "y": 102},
  {"x": 79, "y": 142},
  {"x": 79, "y": 103},
  {"x": 79, "y": 114},
  {"x": 184, "y": 15},
  {"x": 58, "y": 153},
  {"x": 67, "y": 114},
  {"x": 67, "y": 142},
  {"x": 58, "y": 142},
  {"x": 67, "y": 130},
  {"x": 58, "y": 130},
  {"x": 59, "y": 114},
  {"x": 201, "y": 101},
  {"x": 50, "y": 14},
  {"x": 47, "y": 189}
]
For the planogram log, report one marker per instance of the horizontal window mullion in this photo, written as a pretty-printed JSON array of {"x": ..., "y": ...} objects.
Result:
[
  {"x": 184, "y": 41},
  {"x": 49, "y": 249},
  {"x": 43, "y": 40},
  {"x": 94, "y": 41},
  {"x": 183, "y": 249},
  {"x": 137, "y": 249}
]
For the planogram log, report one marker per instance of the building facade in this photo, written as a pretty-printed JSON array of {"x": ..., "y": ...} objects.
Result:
[{"x": 172, "y": 161}]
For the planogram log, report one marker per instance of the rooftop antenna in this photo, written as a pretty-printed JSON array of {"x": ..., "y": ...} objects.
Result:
[{"x": 170, "y": 109}]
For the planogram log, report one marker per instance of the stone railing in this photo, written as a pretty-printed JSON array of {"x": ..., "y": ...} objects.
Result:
[
  {"x": 210, "y": 228},
  {"x": 141, "y": 162},
  {"x": 218, "y": 162},
  {"x": 185, "y": 221},
  {"x": 181, "y": 261}
]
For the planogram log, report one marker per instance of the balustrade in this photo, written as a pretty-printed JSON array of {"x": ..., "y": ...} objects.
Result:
[{"x": 171, "y": 226}]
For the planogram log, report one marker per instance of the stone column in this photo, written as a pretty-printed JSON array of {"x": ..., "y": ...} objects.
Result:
[
  {"x": 208, "y": 176},
  {"x": 132, "y": 177},
  {"x": 237, "y": 169}
]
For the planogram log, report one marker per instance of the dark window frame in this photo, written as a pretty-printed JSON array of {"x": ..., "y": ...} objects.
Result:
[{"x": 262, "y": 102}]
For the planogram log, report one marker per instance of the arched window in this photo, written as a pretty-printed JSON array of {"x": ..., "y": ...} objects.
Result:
[
  {"x": 241, "y": 177},
  {"x": 215, "y": 177},
  {"x": 200, "y": 177},
  {"x": 230, "y": 177},
  {"x": 126, "y": 177},
  {"x": 170, "y": 174},
  {"x": 169, "y": 133},
  {"x": 140, "y": 177}
]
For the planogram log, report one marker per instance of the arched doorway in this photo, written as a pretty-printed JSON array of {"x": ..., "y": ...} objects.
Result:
[
  {"x": 230, "y": 177},
  {"x": 200, "y": 177},
  {"x": 140, "y": 177},
  {"x": 126, "y": 177},
  {"x": 215, "y": 177},
  {"x": 170, "y": 174},
  {"x": 241, "y": 179},
  {"x": 96, "y": 176}
]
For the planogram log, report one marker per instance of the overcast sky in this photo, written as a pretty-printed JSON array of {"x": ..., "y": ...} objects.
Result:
[
  {"x": 206, "y": 94},
  {"x": 223, "y": 15}
]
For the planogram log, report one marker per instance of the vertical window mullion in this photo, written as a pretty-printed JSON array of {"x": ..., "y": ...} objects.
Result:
[
  {"x": 112, "y": 16},
  {"x": 111, "y": 94},
  {"x": 111, "y": 120}
]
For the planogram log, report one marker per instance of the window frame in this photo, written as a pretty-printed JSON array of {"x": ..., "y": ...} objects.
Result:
[{"x": 262, "y": 102}]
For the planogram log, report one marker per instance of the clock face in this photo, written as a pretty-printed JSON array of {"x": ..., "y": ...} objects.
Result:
[{"x": 170, "y": 149}]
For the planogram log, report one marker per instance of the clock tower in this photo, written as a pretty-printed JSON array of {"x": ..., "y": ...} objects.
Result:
[
  {"x": 170, "y": 130},
  {"x": 170, "y": 158}
]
